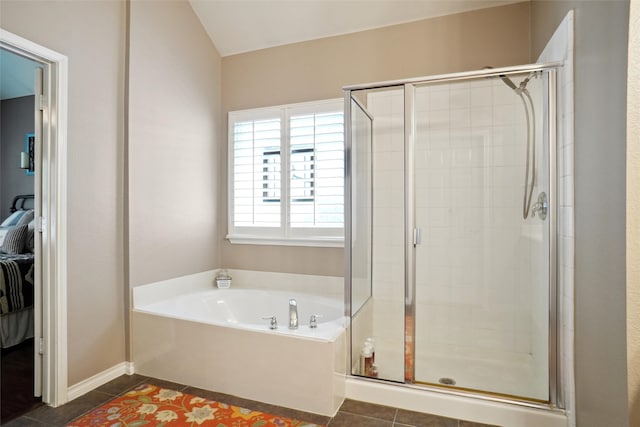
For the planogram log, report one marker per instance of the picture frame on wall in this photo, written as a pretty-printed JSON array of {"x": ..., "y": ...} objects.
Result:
[{"x": 29, "y": 148}]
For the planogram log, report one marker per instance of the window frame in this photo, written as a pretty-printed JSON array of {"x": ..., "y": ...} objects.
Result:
[{"x": 283, "y": 234}]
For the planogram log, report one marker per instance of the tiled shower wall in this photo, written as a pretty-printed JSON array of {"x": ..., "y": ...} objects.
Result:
[
  {"x": 387, "y": 108},
  {"x": 479, "y": 261}
]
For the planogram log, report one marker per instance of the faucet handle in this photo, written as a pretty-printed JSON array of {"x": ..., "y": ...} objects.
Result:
[
  {"x": 274, "y": 322},
  {"x": 313, "y": 320}
]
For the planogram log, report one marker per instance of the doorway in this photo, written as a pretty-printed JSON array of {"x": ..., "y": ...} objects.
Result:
[
  {"x": 47, "y": 160},
  {"x": 19, "y": 362}
]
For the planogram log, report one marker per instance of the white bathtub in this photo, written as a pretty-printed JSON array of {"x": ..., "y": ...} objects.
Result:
[
  {"x": 185, "y": 331},
  {"x": 247, "y": 309}
]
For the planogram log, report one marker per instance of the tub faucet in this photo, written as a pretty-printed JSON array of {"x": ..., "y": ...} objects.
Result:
[{"x": 293, "y": 314}]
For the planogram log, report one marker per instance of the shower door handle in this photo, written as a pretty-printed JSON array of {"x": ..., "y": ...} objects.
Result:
[{"x": 417, "y": 237}]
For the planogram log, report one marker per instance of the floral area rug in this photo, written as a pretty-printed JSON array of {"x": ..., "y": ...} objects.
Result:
[{"x": 152, "y": 406}]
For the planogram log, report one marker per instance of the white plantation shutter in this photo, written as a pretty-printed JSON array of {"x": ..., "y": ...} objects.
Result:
[
  {"x": 287, "y": 174},
  {"x": 316, "y": 164},
  {"x": 256, "y": 173}
]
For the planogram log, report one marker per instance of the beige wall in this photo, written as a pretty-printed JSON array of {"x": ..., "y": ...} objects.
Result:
[
  {"x": 319, "y": 69},
  {"x": 174, "y": 127},
  {"x": 172, "y": 182},
  {"x": 92, "y": 35},
  {"x": 600, "y": 159},
  {"x": 633, "y": 215}
]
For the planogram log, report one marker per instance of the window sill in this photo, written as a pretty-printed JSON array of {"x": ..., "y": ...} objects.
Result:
[{"x": 321, "y": 242}]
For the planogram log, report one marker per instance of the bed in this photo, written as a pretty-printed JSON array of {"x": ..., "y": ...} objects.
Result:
[{"x": 17, "y": 272}]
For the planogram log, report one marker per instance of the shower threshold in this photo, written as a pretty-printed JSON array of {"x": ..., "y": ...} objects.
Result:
[{"x": 454, "y": 402}]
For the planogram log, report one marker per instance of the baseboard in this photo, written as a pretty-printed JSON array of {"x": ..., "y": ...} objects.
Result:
[{"x": 85, "y": 386}]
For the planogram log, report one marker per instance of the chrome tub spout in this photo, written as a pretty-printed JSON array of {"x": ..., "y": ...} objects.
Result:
[{"x": 293, "y": 314}]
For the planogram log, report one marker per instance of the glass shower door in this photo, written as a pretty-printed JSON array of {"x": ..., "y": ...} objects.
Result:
[{"x": 482, "y": 266}]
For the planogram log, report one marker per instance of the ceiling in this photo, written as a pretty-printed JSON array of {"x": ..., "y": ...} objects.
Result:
[
  {"x": 16, "y": 75},
  {"x": 238, "y": 26}
]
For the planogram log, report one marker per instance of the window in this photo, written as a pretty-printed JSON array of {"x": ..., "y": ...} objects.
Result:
[{"x": 286, "y": 175}]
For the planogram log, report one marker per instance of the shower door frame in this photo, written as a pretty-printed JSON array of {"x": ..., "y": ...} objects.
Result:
[{"x": 556, "y": 395}]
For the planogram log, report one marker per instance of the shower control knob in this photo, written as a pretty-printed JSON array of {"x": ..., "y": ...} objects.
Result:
[{"x": 541, "y": 206}]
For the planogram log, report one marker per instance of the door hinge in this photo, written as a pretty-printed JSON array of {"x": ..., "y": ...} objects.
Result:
[
  {"x": 43, "y": 102},
  {"x": 41, "y": 224},
  {"x": 41, "y": 346},
  {"x": 417, "y": 237}
]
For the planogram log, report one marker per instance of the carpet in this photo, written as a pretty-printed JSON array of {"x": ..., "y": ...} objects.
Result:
[{"x": 152, "y": 406}]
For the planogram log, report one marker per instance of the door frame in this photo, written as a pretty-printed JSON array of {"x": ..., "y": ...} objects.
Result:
[{"x": 54, "y": 213}]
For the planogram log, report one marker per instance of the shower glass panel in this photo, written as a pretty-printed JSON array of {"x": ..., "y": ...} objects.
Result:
[
  {"x": 452, "y": 230},
  {"x": 482, "y": 266},
  {"x": 378, "y": 211},
  {"x": 361, "y": 206}
]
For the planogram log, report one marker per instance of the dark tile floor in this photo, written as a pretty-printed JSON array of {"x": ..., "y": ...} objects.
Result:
[
  {"x": 352, "y": 413},
  {"x": 16, "y": 381}
]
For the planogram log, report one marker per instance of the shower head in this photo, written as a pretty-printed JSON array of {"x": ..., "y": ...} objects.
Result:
[{"x": 508, "y": 82}]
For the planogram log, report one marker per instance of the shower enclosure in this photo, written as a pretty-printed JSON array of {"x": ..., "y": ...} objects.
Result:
[{"x": 451, "y": 219}]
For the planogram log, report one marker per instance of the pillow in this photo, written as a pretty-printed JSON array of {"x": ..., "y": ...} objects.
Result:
[
  {"x": 3, "y": 234},
  {"x": 26, "y": 218},
  {"x": 14, "y": 239},
  {"x": 30, "y": 244},
  {"x": 13, "y": 218}
]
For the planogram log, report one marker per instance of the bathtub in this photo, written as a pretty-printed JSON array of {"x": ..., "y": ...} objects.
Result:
[
  {"x": 249, "y": 308},
  {"x": 186, "y": 331}
]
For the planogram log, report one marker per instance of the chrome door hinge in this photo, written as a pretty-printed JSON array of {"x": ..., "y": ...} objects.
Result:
[
  {"x": 41, "y": 346},
  {"x": 41, "y": 224},
  {"x": 417, "y": 237},
  {"x": 43, "y": 102}
]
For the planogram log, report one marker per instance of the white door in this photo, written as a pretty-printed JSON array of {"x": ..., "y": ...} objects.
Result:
[{"x": 37, "y": 294}]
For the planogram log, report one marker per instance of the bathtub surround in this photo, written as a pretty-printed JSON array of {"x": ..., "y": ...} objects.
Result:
[
  {"x": 306, "y": 375},
  {"x": 330, "y": 287},
  {"x": 243, "y": 357}
]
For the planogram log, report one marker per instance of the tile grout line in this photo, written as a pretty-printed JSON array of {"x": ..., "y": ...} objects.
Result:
[{"x": 366, "y": 416}]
